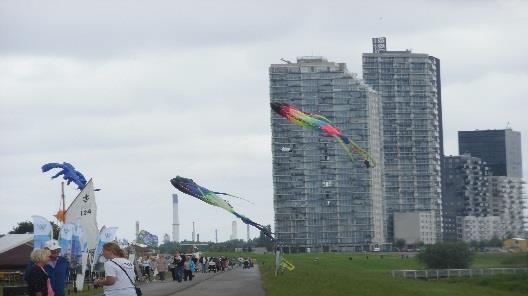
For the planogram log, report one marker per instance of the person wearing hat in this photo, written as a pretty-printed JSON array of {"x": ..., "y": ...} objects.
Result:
[{"x": 57, "y": 268}]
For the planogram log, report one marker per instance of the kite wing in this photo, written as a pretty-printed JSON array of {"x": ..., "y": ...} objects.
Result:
[
  {"x": 51, "y": 165},
  {"x": 320, "y": 117}
]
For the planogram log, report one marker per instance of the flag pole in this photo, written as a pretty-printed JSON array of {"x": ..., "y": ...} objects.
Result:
[{"x": 63, "y": 200}]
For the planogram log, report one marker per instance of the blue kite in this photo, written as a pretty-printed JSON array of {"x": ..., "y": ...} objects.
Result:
[{"x": 68, "y": 173}]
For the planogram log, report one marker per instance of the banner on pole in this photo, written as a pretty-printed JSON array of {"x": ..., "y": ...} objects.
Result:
[
  {"x": 106, "y": 235},
  {"x": 42, "y": 231},
  {"x": 65, "y": 240}
]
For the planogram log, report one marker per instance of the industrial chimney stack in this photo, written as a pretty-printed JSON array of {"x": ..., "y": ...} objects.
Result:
[
  {"x": 175, "y": 219},
  {"x": 137, "y": 229}
]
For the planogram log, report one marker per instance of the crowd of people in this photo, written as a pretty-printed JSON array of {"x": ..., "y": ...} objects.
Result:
[
  {"x": 182, "y": 267},
  {"x": 48, "y": 272}
]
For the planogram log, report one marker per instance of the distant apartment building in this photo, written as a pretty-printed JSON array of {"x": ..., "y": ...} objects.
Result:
[
  {"x": 322, "y": 199},
  {"x": 415, "y": 227},
  {"x": 410, "y": 90},
  {"x": 501, "y": 150},
  {"x": 507, "y": 202},
  {"x": 465, "y": 191},
  {"x": 472, "y": 228}
]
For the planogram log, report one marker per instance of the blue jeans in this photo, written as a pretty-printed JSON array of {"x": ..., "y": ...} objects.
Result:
[{"x": 179, "y": 273}]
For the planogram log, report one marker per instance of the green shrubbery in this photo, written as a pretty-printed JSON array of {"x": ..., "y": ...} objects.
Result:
[{"x": 448, "y": 255}]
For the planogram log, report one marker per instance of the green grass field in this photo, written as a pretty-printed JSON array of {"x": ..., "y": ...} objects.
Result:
[{"x": 335, "y": 274}]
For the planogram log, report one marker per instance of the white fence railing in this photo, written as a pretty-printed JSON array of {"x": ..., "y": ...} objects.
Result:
[{"x": 449, "y": 273}]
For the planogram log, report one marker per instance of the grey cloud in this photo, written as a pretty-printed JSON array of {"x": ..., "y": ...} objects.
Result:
[{"x": 133, "y": 94}]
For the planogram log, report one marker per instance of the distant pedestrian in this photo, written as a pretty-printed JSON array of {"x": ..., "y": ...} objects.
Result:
[
  {"x": 188, "y": 269},
  {"x": 203, "y": 262},
  {"x": 162, "y": 267},
  {"x": 180, "y": 261},
  {"x": 147, "y": 268},
  {"x": 212, "y": 265}
]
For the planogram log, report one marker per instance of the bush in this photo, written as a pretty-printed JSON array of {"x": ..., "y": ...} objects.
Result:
[{"x": 441, "y": 256}]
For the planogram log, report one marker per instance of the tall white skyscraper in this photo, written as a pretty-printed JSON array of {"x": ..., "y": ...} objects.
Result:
[
  {"x": 410, "y": 90},
  {"x": 323, "y": 200}
]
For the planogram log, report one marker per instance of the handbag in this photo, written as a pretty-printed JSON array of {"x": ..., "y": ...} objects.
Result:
[
  {"x": 50, "y": 289},
  {"x": 138, "y": 290},
  {"x": 48, "y": 284}
]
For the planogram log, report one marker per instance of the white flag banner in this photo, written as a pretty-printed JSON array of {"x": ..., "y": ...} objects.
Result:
[
  {"x": 106, "y": 235},
  {"x": 81, "y": 269},
  {"x": 65, "y": 240},
  {"x": 42, "y": 231},
  {"x": 76, "y": 242},
  {"x": 84, "y": 208}
]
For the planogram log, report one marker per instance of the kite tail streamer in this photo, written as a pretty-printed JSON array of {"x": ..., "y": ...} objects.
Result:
[
  {"x": 264, "y": 230},
  {"x": 350, "y": 147}
]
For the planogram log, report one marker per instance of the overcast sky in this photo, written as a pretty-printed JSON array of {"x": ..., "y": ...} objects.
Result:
[{"x": 134, "y": 93}]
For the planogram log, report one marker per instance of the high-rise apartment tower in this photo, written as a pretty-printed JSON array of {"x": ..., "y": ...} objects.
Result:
[
  {"x": 410, "y": 90},
  {"x": 466, "y": 191},
  {"x": 322, "y": 199}
]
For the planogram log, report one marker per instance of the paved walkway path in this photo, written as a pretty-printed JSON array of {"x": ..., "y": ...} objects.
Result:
[{"x": 236, "y": 282}]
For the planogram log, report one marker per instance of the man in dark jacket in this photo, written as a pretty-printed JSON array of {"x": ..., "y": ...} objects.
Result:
[{"x": 179, "y": 267}]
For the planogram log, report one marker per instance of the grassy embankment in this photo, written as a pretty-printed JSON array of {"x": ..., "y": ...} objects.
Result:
[{"x": 336, "y": 274}]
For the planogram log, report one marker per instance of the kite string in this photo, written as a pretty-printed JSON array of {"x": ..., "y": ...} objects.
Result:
[{"x": 234, "y": 197}]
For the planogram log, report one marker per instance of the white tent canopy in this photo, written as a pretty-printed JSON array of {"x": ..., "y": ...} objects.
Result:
[{"x": 11, "y": 241}]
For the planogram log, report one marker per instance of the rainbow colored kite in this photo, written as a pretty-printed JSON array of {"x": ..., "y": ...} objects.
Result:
[
  {"x": 188, "y": 186},
  {"x": 321, "y": 123}
]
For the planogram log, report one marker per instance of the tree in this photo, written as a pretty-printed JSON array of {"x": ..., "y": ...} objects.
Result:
[
  {"x": 400, "y": 244},
  {"x": 446, "y": 255},
  {"x": 169, "y": 247},
  {"x": 27, "y": 227},
  {"x": 22, "y": 227},
  {"x": 264, "y": 241},
  {"x": 495, "y": 242}
]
